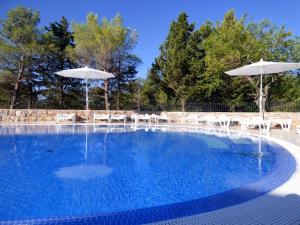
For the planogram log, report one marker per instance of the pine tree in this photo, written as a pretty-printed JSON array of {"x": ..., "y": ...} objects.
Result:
[{"x": 18, "y": 47}]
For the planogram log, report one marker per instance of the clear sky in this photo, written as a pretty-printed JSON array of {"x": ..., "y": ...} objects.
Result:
[{"x": 152, "y": 18}]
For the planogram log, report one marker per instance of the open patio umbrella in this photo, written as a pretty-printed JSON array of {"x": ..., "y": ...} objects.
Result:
[
  {"x": 260, "y": 68},
  {"x": 87, "y": 74}
]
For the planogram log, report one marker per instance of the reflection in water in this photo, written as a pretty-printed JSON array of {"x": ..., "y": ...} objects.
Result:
[
  {"x": 88, "y": 171},
  {"x": 83, "y": 171}
]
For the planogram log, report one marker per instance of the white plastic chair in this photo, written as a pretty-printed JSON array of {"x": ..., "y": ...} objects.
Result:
[
  {"x": 210, "y": 120},
  {"x": 101, "y": 117},
  {"x": 65, "y": 117},
  {"x": 119, "y": 118},
  {"x": 224, "y": 120}
]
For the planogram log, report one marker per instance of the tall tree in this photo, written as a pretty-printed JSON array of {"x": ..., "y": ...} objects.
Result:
[
  {"x": 174, "y": 59},
  {"x": 107, "y": 46},
  {"x": 277, "y": 44},
  {"x": 230, "y": 46},
  {"x": 58, "y": 54},
  {"x": 18, "y": 46}
]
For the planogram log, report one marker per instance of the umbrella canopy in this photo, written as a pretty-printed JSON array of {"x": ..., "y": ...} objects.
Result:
[
  {"x": 87, "y": 74},
  {"x": 263, "y": 67},
  {"x": 260, "y": 68}
]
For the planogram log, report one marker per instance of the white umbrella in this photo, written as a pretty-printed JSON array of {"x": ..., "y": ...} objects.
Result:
[
  {"x": 260, "y": 68},
  {"x": 87, "y": 74}
]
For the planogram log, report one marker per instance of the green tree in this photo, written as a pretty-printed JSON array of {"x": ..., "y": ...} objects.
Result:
[
  {"x": 58, "y": 54},
  {"x": 107, "y": 46},
  {"x": 230, "y": 46},
  {"x": 174, "y": 59},
  {"x": 18, "y": 46},
  {"x": 277, "y": 44}
]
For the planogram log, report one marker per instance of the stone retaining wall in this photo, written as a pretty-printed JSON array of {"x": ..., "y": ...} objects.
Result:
[
  {"x": 40, "y": 115},
  {"x": 183, "y": 116}
]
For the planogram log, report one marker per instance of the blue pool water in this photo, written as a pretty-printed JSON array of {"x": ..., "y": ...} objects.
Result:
[{"x": 53, "y": 171}]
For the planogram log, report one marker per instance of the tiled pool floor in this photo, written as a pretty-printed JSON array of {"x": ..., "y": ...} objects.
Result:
[{"x": 280, "y": 206}]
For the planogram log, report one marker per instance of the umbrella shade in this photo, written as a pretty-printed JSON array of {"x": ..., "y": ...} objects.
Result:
[
  {"x": 83, "y": 171},
  {"x": 85, "y": 73},
  {"x": 260, "y": 68},
  {"x": 263, "y": 67}
]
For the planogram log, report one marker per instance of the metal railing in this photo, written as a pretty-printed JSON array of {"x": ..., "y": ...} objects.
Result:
[{"x": 191, "y": 107}]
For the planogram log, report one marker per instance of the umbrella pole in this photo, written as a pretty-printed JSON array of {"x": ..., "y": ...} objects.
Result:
[
  {"x": 86, "y": 144},
  {"x": 86, "y": 95},
  {"x": 260, "y": 93}
]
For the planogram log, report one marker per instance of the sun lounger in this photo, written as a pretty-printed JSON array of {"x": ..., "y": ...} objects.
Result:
[
  {"x": 119, "y": 118},
  {"x": 190, "y": 119},
  {"x": 211, "y": 120},
  {"x": 285, "y": 124},
  {"x": 201, "y": 119},
  {"x": 223, "y": 120},
  {"x": 263, "y": 125},
  {"x": 65, "y": 117},
  {"x": 137, "y": 117},
  {"x": 164, "y": 118},
  {"x": 101, "y": 117}
]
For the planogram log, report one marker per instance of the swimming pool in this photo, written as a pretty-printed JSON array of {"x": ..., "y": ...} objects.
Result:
[{"x": 130, "y": 175}]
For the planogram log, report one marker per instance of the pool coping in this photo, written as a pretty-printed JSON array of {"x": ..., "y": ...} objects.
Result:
[{"x": 168, "y": 212}]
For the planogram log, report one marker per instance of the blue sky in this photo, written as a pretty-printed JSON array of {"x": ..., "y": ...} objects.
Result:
[{"x": 152, "y": 18}]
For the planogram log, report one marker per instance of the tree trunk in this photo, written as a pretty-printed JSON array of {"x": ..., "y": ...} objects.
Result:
[
  {"x": 106, "y": 95},
  {"x": 15, "y": 95},
  {"x": 17, "y": 83},
  {"x": 61, "y": 88},
  {"x": 29, "y": 104},
  {"x": 183, "y": 101},
  {"x": 118, "y": 99}
]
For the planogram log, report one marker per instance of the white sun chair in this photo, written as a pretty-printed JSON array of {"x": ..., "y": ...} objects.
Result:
[
  {"x": 211, "y": 120},
  {"x": 137, "y": 117},
  {"x": 298, "y": 129},
  {"x": 263, "y": 125},
  {"x": 190, "y": 119},
  {"x": 285, "y": 124},
  {"x": 65, "y": 117},
  {"x": 154, "y": 117},
  {"x": 122, "y": 117},
  {"x": 163, "y": 118},
  {"x": 105, "y": 117},
  {"x": 223, "y": 120},
  {"x": 201, "y": 119},
  {"x": 235, "y": 120}
]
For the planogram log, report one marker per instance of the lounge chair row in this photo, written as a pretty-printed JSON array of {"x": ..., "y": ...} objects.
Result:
[
  {"x": 245, "y": 123},
  {"x": 209, "y": 119},
  {"x": 111, "y": 117}
]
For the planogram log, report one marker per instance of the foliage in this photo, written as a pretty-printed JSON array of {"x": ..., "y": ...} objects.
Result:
[
  {"x": 192, "y": 62},
  {"x": 18, "y": 48},
  {"x": 58, "y": 54},
  {"x": 107, "y": 46}
]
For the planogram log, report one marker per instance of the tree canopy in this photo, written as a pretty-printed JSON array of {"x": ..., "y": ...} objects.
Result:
[
  {"x": 192, "y": 63},
  {"x": 188, "y": 72}
]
